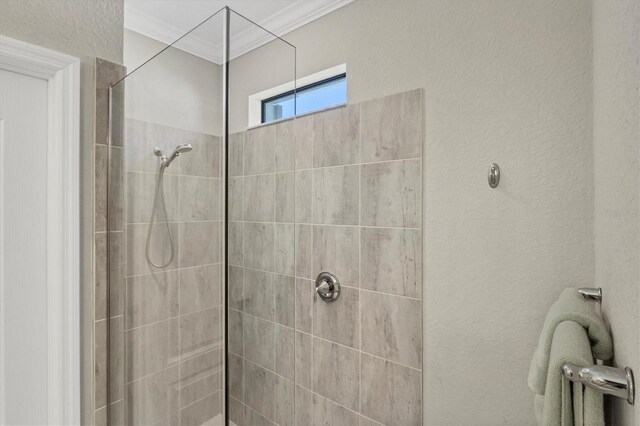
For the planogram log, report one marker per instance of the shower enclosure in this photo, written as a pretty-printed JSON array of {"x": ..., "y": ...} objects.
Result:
[{"x": 218, "y": 232}]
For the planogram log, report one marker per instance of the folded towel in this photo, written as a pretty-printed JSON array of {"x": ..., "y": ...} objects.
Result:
[
  {"x": 564, "y": 402},
  {"x": 569, "y": 307}
]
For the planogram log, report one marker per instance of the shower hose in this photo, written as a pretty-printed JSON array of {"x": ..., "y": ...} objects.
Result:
[{"x": 159, "y": 196}]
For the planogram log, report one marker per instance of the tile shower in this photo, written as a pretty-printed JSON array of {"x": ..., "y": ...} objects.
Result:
[
  {"x": 232, "y": 329},
  {"x": 336, "y": 191}
]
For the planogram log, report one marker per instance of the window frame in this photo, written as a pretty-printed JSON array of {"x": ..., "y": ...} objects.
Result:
[
  {"x": 296, "y": 92},
  {"x": 254, "y": 110}
]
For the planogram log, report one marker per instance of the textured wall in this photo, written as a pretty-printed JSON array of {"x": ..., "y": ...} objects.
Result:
[
  {"x": 86, "y": 28},
  {"x": 175, "y": 88},
  {"x": 616, "y": 144},
  {"x": 505, "y": 81}
]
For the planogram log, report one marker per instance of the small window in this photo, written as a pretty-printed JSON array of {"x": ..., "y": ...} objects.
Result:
[{"x": 312, "y": 97}]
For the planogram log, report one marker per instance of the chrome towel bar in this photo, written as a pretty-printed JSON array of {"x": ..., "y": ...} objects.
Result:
[{"x": 613, "y": 381}]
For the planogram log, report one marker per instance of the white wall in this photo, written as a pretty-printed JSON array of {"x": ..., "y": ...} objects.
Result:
[
  {"x": 174, "y": 89},
  {"x": 506, "y": 81},
  {"x": 616, "y": 145}
]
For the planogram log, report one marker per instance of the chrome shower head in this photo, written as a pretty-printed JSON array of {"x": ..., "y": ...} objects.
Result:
[{"x": 180, "y": 149}]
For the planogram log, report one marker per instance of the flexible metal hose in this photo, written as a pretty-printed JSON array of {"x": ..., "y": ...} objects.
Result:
[{"x": 159, "y": 194}]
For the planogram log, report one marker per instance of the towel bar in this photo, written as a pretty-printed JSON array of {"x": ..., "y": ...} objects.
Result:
[{"x": 613, "y": 381}]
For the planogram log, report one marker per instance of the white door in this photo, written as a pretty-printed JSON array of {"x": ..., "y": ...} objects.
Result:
[
  {"x": 23, "y": 191},
  {"x": 39, "y": 259}
]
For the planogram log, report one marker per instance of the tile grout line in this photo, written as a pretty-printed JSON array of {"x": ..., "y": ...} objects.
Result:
[{"x": 360, "y": 262}]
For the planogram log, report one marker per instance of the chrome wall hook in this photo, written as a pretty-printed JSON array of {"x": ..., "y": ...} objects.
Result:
[{"x": 494, "y": 175}]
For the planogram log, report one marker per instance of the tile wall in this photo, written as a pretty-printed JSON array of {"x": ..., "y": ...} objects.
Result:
[
  {"x": 336, "y": 191},
  {"x": 170, "y": 329}
]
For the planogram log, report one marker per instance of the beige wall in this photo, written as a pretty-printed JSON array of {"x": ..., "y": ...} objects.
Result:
[
  {"x": 87, "y": 28},
  {"x": 506, "y": 81},
  {"x": 174, "y": 89},
  {"x": 616, "y": 144}
]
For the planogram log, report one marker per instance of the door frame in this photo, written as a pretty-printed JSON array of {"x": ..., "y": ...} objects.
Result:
[{"x": 63, "y": 220}]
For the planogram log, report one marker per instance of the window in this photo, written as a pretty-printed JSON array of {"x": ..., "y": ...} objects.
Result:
[
  {"x": 321, "y": 90},
  {"x": 325, "y": 93}
]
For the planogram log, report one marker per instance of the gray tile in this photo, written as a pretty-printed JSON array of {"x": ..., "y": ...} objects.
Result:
[
  {"x": 259, "y": 246},
  {"x": 236, "y": 412},
  {"x": 336, "y": 372},
  {"x": 391, "y": 194},
  {"x": 285, "y": 402},
  {"x": 285, "y": 145},
  {"x": 392, "y": 261},
  {"x": 253, "y": 418},
  {"x": 392, "y": 328},
  {"x": 117, "y": 272},
  {"x": 236, "y": 154},
  {"x": 259, "y": 198},
  {"x": 391, "y": 394},
  {"x": 151, "y": 298},
  {"x": 304, "y": 304},
  {"x": 100, "y": 188},
  {"x": 141, "y": 188},
  {"x": 200, "y": 288},
  {"x": 160, "y": 248},
  {"x": 202, "y": 411},
  {"x": 338, "y": 321},
  {"x": 285, "y": 352},
  {"x": 235, "y": 237},
  {"x": 100, "y": 272},
  {"x": 365, "y": 421},
  {"x": 200, "y": 332},
  {"x": 336, "y": 137},
  {"x": 200, "y": 376},
  {"x": 335, "y": 195},
  {"x": 259, "y": 389},
  {"x": 304, "y": 196},
  {"x": 100, "y": 363},
  {"x": 200, "y": 198},
  {"x": 285, "y": 290},
  {"x": 258, "y": 293},
  {"x": 116, "y": 358},
  {"x": 336, "y": 250},
  {"x": 304, "y": 253},
  {"x": 141, "y": 138},
  {"x": 153, "y": 398},
  {"x": 328, "y": 413},
  {"x": 205, "y": 158},
  {"x": 304, "y": 142},
  {"x": 392, "y": 127},
  {"x": 151, "y": 348},
  {"x": 235, "y": 332},
  {"x": 259, "y": 341},
  {"x": 236, "y": 279},
  {"x": 235, "y": 376},
  {"x": 304, "y": 359},
  {"x": 199, "y": 243},
  {"x": 284, "y": 248},
  {"x": 304, "y": 406},
  {"x": 107, "y": 73},
  {"x": 236, "y": 198},
  {"x": 259, "y": 150},
  {"x": 284, "y": 197},
  {"x": 116, "y": 190}
]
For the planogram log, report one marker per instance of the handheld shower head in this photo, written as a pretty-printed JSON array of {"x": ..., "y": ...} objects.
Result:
[{"x": 180, "y": 149}]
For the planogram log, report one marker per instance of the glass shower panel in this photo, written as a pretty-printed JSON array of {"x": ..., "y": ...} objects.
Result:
[
  {"x": 166, "y": 300},
  {"x": 262, "y": 233}
]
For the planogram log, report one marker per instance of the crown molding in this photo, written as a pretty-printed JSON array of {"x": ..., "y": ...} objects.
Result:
[{"x": 294, "y": 16}]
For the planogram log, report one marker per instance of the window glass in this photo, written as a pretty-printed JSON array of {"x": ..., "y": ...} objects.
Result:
[{"x": 323, "y": 94}]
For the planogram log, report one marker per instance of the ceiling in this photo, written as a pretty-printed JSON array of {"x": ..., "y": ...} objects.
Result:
[{"x": 168, "y": 20}]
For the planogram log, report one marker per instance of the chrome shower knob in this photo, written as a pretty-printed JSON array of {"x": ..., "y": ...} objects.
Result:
[{"x": 327, "y": 286}]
